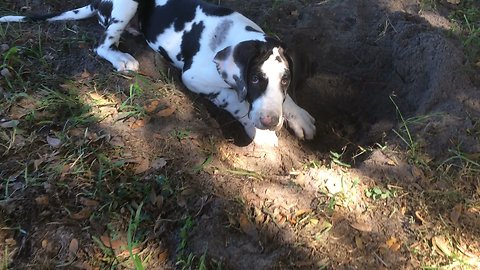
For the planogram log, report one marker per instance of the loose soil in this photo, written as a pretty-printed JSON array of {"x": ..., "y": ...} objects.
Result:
[{"x": 298, "y": 206}]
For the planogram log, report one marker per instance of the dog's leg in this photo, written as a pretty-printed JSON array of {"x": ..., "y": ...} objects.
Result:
[
  {"x": 195, "y": 79},
  {"x": 299, "y": 120},
  {"x": 115, "y": 18}
]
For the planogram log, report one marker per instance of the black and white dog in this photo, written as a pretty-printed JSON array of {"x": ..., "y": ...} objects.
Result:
[{"x": 222, "y": 55}]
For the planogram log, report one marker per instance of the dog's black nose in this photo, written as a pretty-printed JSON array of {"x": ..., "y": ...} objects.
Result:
[{"x": 269, "y": 121}]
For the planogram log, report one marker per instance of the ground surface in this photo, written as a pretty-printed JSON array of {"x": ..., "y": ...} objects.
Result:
[{"x": 100, "y": 170}]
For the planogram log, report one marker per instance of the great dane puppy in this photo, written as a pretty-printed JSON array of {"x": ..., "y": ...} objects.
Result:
[{"x": 222, "y": 55}]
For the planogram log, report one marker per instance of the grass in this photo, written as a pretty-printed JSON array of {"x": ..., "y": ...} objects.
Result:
[
  {"x": 132, "y": 241},
  {"x": 467, "y": 18}
]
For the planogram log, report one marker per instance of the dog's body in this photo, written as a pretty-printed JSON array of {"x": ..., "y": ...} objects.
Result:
[{"x": 222, "y": 55}]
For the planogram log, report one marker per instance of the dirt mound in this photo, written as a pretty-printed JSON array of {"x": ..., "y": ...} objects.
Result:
[{"x": 363, "y": 54}]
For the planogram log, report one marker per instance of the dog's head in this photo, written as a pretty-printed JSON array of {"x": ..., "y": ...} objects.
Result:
[{"x": 260, "y": 72}]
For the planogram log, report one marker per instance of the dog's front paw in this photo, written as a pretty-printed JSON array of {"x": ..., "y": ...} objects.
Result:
[
  {"x": 302, "y": 124},
  {"x": 265, "y": 138},
  {"x": 125, "y": 62}
]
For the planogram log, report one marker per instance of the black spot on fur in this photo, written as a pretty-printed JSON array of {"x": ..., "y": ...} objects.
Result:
[
  {"x": 113, "y": 47},
  {"x": 223, "y": 105},
  {"x": 251, "y": 29},
  {"x": 191, "y": 44},
  {"x": 223, "y": 54},
  {"x": 224, "y": 75},
  {"x": 164, "y": 53},
  {"x": 221, "y": 32},
  {"x": 76, "y": 11},
  {"x": 211, "y": 96},
  {"x": 105, "y": 8},
  {"x": 179, "y": 57},
  {"x": 36, "y": 18},
  {"x": 249, "y": 56},
  {"x": 155, "y": 20}
]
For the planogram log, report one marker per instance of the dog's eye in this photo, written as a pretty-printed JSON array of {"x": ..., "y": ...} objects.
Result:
[
  {"x": 284, "y": 80},
  {"x": 255, "y": 79}
]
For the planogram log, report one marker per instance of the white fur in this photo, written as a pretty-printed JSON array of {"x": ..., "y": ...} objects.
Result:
[
  {"x": 299, "y": 120},
  {"x": 82, "y": 13},
  {"x": 271, "y": 101},
  {"x": 203, "y": 76},
  {"x": 266, "y": 138},
  {"x": 12, "y": 19}
]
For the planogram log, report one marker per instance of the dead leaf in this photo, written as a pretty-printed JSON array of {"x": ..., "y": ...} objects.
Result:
[
  {"x": 393, "y": 244},
  {"x": 85, "y": 74},
  {"x": 160, "y": 201},
  {"x": 418, "y": 173},
  {"x": 417, "y": 214},
  {"x": 143, "y": 166},
  {"x": 359, "y": 242},
  {"x": 82, "y": 214},
  {"x": 117, "y": 142},
  {"x": 313, "y": 221},
  {"x": 88, "y": 202},
  {"x": 10, "y": 242},
  {"x": 10, "y": 124},
  {"x": 73, "y": 247},
  {"x": 139, "y": 123},
  {"x": 152, "y": 106},
  {"x": 163, "y": 256},
  {"x": 44, "y": 243},
  {"x": 42, "y": 200},
  {"x": 106, "y": 241},
  {"x": 454, "y": 2},
  {"x": 300, "y": 179},
  {"x": 246, "y": 226},
  {"x": 37, "y": 163},
  {"x": 166, "y": 112},
  {"x": 54, "y": 142},
  {"x": 456, "y": 213},
  {"x": 259, "y": 218},
  {"x": 441, "y": 243},
  {"x": 363, "y": 227},
  {"x": 158, "y": 163},
  {"x": 301, "y": 212},
  {"x": 76, "y": 132},
  {"x": 113, "y": 244}
]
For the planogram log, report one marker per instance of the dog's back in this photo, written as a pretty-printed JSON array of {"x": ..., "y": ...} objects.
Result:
[{"x": 182, "y": 29}]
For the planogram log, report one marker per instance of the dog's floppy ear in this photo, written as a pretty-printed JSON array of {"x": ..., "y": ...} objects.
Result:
[
  {"x": 233, "y": 65},
  {"x": 300, "y": 68}
]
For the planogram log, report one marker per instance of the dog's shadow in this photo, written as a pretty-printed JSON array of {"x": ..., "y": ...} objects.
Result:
[{"x": 230, "y": 127}]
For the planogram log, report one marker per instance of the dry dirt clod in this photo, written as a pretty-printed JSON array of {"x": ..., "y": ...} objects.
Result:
[
  {"x": 361, "y": 226},
  {"x": 42, "y": 200},
  {"x": 6, "y": 73},
  {"x": 4, "y": 47},
  {"x": 54, "y": 142},
  {"x": 73, "y": 247},
  {"x": 456, "y": 213},
  {"x": 142, "y": 166},
  {"x": 10, "y": 124},
  {"x": 82, "y": 214},
  {"x": 166, "y": 112}
]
